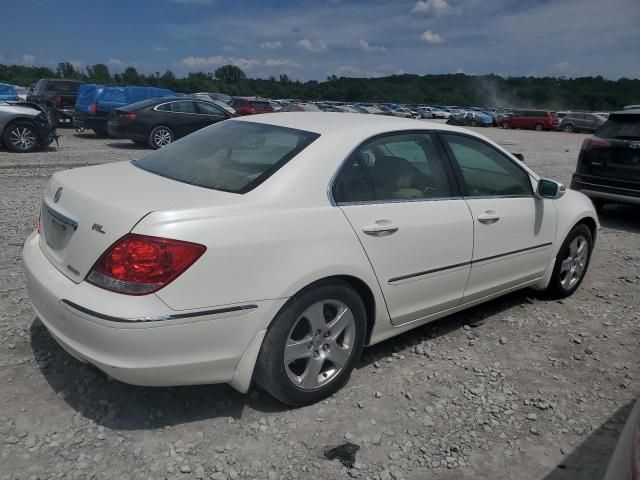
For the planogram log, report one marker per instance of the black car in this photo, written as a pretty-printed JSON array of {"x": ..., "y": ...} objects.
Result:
[
  {"x": 608, "y": 169},
  {"x": 581, "y": 122},
  {"x": 160, "y": 121},
  {"x": 57, "y": 96}
]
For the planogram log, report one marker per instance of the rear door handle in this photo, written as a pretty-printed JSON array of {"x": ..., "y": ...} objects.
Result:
[
  {"x": 488, "y": 216},
  {"x": 381, "y": 228}
]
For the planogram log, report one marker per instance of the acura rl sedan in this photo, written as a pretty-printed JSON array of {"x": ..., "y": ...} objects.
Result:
[{"x": 273, "y": 248}]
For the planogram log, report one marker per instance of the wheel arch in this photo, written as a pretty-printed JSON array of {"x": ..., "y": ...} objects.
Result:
[{"x": 591, "y": 224}]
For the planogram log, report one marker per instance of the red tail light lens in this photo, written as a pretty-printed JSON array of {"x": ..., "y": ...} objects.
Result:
[
  {"x": 129, "y": 116},
  {"x": 140, "y": 264},
  {"x": 93, "y": 108},
  {"x": 594, "y": 142},
  {"x": 58, "y": 101}
]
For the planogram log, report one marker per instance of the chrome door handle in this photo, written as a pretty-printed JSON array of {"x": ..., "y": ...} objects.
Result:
[
  {"x": 381, "y": 228},
  {"x": 489, "y": 216}
]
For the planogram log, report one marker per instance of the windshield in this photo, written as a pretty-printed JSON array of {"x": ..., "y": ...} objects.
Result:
[
  {"x": 62, "y": 86},
  {"x": 620, "y": 126},
  {"x": 231, "y": 156}
]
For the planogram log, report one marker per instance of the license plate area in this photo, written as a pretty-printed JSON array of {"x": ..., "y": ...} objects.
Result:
[{"x": 56, "y": 228}]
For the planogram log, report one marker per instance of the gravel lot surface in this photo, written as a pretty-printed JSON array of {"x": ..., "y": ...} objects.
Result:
[{"x": 519, "y": 388}]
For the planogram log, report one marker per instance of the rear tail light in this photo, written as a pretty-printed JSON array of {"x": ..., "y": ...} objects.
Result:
[
  {"x": 140, "y": 264},
  {"x": 93, "y": 108},
  {"x": 58, "y": 101},
  {"x": 594, "y": 142},
  {"x": 129, "y": 116}
]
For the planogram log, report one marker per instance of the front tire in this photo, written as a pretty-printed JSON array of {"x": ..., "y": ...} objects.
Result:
[
  {"x": 568, "y": 128},
  {"x": 539, "y": 127},
  {"x": 572, "y": 262},
  {"x": 313, "y": 344},
  {"x": 160, "y": 136},
  {"x": 21, "y": 137}
]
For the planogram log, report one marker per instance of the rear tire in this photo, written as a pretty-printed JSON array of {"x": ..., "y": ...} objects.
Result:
[
  {"x": 505, "y": 125},
  {"x": 568, "y": 128},
  {"x": 539, "y": 127},
  {"x": 327, "y": 321},
  {"x": 21, "y": 137},
  {"x": 572, "y": 262},
  {"x": 160, "y": 136}
]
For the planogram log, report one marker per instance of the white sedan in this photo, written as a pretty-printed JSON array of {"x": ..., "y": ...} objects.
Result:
[{"x": 273, "y": 248}]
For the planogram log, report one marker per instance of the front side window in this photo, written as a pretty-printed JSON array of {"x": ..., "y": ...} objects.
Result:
[
  {"x": 394, "y": 168},
  {"x": 209, "y": 109},
  {"x": 231, "y": 156},
  {"x": 485, "y": 170}
]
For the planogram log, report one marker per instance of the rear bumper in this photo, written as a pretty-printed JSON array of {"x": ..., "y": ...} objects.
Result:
[
  {"x": 118, "y": 131},
  {"x": 178, "y": 348},
  {"x": 90, "y": 122},
  {"x": 66, "y": 113},
  {"x": 598, "y": 187}
]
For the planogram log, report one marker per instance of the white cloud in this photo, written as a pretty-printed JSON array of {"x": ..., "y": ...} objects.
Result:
[
  {"x": 430, "y": 37},
  {"x": 159, "y": 48},
  {"x": 364, "y": 46},
  {"x": 245, "y": 63},
  {"x": 77, "y": 64},
  {"x": 313, "y": 47},
  {"x": 28, "y": 60},
  {"x": 271, "y": 45},
  {"x": 116, "y": 62},
  {"x": 435, "y": 7}
]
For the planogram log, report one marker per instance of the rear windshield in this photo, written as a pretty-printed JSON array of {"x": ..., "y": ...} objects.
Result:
[
  {"x": 231, "y": 156},
  {"x": 620, "y": 126},
  {"x": 61, "y": 86}
]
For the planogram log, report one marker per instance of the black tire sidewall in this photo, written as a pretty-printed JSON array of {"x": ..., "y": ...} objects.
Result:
[
  {"x": 7, "y": 137},
  {"x": 270, "y": 371},
  {"x": 555, "y": 287}
]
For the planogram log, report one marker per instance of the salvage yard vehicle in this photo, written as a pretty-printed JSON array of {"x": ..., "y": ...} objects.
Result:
[
  {"x": 25, "y": 126},
  {"x": 532, "y": 119},
  {"x": 581, "y": 122},
  {"x": 95, "y": 102},
  {"x": 160, "y": 121},
  {"x": 251, "y": 105},
  {"x": 57, "y": 96},
  {"x": 608, "y": 168},
  {"x": 625, "y": 461},
  {"x": 8, "y": 93},
  {"x": 272, "y": 248}
]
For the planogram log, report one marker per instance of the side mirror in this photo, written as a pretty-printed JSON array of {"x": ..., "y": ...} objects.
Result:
[
  {"x": 519, "y": 156},
  {"x": 550, "y": 189}
]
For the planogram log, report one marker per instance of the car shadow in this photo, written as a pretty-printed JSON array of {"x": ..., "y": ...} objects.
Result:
[
  {"x": 473, "y": 316},
  {"x": 621, "y": 217},
  {"x": 117, "y": 405},
  {"x": 590, "y": 459},
  {"x": 129, "y": 145}
]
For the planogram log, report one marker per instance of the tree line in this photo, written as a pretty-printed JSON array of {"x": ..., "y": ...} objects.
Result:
[{"x": 588, "y": 93}]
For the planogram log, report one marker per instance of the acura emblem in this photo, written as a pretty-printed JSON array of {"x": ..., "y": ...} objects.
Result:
[{"x": 57, "y": 195}]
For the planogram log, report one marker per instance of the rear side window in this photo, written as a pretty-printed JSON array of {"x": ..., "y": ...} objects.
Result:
[
  {"x": 620, "y": 126},
  {"x": 230, "y": 156},
  {"x": 394, "y": 168},
  {"x": 164, "y": 107},
  {"x": 64, "y": 87},
  {"x": 486, "y": 171},
  {"x": 184, "y": 107}
]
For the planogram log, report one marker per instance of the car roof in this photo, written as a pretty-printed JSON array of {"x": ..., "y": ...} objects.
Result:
[{"x": 333, "y": 122}]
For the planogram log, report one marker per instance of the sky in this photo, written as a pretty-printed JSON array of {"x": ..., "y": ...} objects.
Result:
[{"x": 310, "y": 40}]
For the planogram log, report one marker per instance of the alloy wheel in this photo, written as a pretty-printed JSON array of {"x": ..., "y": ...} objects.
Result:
[
  {"x": 22, "y": 138},
  {"x": 162, "y": 137},
  {"x": 319, "y": 344},
  {"x": 573, "y": 266}
]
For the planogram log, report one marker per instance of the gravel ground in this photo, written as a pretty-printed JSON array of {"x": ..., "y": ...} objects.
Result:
[{"x": 520, "y": 387}]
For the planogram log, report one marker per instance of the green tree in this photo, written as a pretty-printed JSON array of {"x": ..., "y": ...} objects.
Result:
[
  {"x": 230, "y": 74},
  {"x": 130, "y": 76},
  {"x": 99, "y": 73},
  {"x": 67, "y": 70}
]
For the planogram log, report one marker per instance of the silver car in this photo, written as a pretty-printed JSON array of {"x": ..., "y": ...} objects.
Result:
[{"x": 24, "y": 126}]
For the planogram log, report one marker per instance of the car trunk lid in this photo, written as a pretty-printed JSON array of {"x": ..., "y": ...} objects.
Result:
[{"x": 85, "y": 210}]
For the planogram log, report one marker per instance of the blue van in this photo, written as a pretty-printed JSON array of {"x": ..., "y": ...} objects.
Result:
[{"x": 95, "y": 102}]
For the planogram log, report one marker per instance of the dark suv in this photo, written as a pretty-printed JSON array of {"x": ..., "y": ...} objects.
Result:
[
  {"x": 57, "y": 96},
  {"x": 581, "y": 122},
  {"x": 608, "y": 168}
]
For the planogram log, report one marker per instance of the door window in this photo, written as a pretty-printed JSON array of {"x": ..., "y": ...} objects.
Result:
[
  {"x": 395, "y": 168},
  {"x": 486, "y": 171},
  {"x": 183, "y": 107},
  {"x": 210, "y": 109}
]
